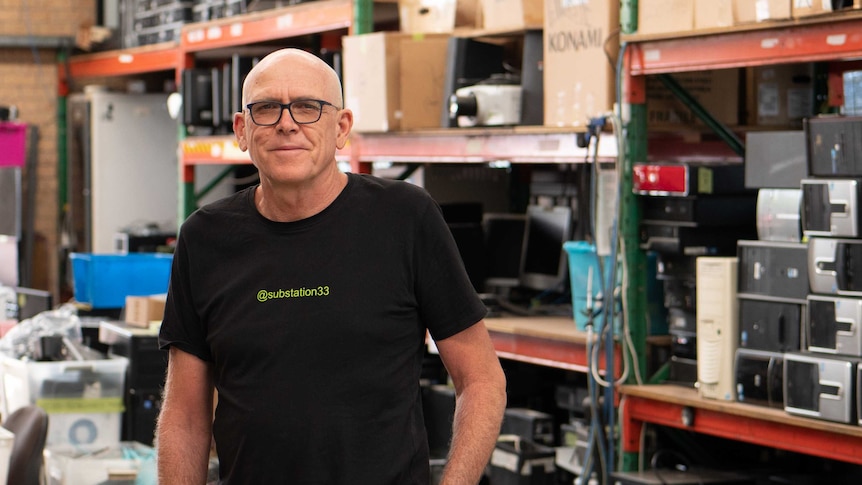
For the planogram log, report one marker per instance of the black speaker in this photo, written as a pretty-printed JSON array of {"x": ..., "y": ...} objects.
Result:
[{"x": 532, "y": 79}]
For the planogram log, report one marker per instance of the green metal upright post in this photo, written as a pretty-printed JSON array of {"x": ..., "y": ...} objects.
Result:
[
  {"x": 635, "y": 138},
  {"x": 363, "y": 17}
]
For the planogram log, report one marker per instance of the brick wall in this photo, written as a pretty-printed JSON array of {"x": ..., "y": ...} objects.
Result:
[
  {"x": 47, "y": 18},
  {"x": 29, "y": 80}
]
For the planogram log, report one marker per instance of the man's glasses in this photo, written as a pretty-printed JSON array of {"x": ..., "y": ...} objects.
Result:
[{"x": 303, "y": 112}]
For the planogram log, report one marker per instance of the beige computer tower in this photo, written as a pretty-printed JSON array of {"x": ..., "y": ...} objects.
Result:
[{"x": 717, "y": 326}]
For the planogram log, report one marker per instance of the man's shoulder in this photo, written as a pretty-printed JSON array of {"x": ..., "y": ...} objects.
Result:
[{"x": 395, "y": 188}]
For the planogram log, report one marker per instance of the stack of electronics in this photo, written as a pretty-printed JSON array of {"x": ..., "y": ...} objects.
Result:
[
  {"x": 204, "y": 10},
  {"x": 773, "y": 275},
  {"x": 689, "y": 211},
  {"x": 800, "y": 305},
  {"x": 525, "y": 453},
  {"x": 211, "y": 96},
  {"x": 156, "y": 21},
  {"x": 821, "y": 381}
]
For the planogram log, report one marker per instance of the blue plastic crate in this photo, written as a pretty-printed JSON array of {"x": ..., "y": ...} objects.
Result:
[
  {"x": 105, "y": 280},
  {"x": 582, "y": 257}
]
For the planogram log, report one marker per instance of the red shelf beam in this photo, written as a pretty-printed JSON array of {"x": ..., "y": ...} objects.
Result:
[
  {"x": 291, "y": 21},
  {"x": 810, "y": 440},
  {"x": 840, "y": 38},
  {"x": 138, "y": 60}
]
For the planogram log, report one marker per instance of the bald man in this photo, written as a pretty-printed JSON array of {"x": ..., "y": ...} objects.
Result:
[{"x": 305, "y": 302}]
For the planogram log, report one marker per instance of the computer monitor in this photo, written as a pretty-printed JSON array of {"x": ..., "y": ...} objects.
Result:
[
  {"x": 504, "y": 240},
  {"x": 543, "y": 263}
]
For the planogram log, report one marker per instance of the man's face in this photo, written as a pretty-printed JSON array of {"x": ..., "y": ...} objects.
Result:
[{"x": 288, "y": 152}]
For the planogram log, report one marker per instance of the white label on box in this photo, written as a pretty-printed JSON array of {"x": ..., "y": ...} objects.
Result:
[{"x": 767, "y": 100}]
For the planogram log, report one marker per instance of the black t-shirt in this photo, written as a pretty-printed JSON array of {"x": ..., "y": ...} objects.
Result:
[{"x": 316, "y": 328}]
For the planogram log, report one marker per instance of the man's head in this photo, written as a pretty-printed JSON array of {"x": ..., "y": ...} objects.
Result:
[{"x": 287, "y": 144}]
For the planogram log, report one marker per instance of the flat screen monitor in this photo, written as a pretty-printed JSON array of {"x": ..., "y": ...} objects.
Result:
[
  {"x": 543, "y": 264},
  {"x": 504, "y": 240}
]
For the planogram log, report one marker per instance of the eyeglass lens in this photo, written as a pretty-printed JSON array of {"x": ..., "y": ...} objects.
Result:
[{"x": 306, "y": 111}]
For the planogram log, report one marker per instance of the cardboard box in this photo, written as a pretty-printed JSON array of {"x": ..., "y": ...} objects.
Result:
[
  {"x": 716, "y": 90},
  {"x": 807, "y": 8},
  {"x": 746, "y": 11},
  {"x": 438, "y": 16},
  {"x": 372, "y": 63},
  {"x": 665, "y": 16},
  {"x": 579, "y": 80},
  {"x": 781, "y": 95},
  {"x": 143, "y": 310},
  {"x": 423, "y": 69},
  {"x": 512, "y": 14},
  {"x": 713, "y": 14}
]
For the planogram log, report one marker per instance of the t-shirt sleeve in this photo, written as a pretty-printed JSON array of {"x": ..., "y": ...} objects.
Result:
[
  {"x": 447, "y": 299},
  {"x": 182, "y": 327}
]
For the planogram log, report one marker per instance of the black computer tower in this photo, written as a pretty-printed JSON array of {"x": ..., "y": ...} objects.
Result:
[{"x": 145, "y": 377}]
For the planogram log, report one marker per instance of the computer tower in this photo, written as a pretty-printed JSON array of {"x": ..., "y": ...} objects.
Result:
[
  {"x": 820, "y": 386},
  {"x": 835, "y": 266},
  {"x": 719, "y": 210},
  {"x": 197, "y": 93},
  {"x": 532, "y": 79},
  {"x": 830, "y": 207},
  {"x": 767, "y": 325},
  {"x": 834, "y": 145},
  {"x": 145, "y": 377},
  {"x": 834, "y": 325},
  {"x": 772, "y": 269},
  {"x": 759, "y": 377},
  {"x": 779, "y": 215},
  {"x": 717, "y": 327}
]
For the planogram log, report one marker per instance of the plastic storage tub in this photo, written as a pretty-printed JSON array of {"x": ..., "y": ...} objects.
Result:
[
  {"x": 91, "y": 465},
  {"x": 83, "y": 399},
  {"x": 105, "y": 280},
  {"x": 583, "y": 262}
]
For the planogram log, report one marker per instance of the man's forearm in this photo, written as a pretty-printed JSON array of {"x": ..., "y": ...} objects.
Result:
[
  {"x": 478, "y": 415},
  {"x": 183, "y": 452}
]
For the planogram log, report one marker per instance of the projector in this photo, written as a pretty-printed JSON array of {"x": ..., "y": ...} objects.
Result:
[{"x": 486, "y": 105}]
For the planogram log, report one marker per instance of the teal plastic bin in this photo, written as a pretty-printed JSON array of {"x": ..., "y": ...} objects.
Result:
[
  {"x": 582, "y": 257},
  {"x": 105, "y": 280}
]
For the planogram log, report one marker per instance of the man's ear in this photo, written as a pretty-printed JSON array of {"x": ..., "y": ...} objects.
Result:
[
  {"x": 239, "y": 130},
  {"x": 345, "y": 124}
]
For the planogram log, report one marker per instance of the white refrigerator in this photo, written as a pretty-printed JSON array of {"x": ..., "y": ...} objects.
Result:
[{"x": 123, "y": 169}]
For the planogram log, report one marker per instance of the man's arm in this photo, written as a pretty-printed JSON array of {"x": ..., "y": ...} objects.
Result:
[
  {"x": 185, "y": 422},
  {"x": 480, "y": 400}
]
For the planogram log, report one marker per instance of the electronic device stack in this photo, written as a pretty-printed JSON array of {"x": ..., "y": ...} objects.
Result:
[
  {"x": 821, "y": 381},
  {"x": 690, "y": 210},
  {"x": 773, "y": 269}
]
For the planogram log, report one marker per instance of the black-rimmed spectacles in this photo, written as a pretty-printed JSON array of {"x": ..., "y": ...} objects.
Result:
[{"x": 303, "y": 111}]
